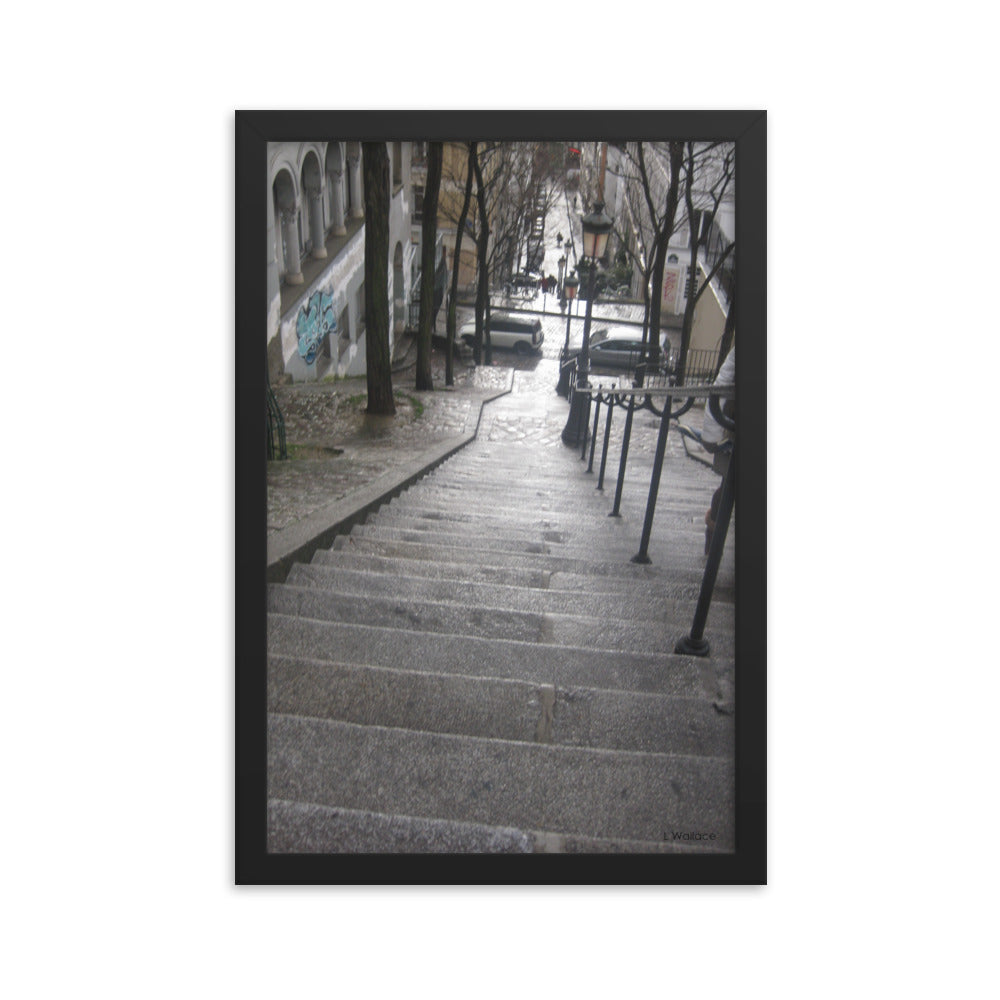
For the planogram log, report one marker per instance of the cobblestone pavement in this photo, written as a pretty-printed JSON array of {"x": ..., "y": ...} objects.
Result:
[{"x": 335, "y": 447}]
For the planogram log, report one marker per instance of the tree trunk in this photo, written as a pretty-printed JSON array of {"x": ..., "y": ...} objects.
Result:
[
  {"x": 696, "y": 292},
  {"x": 728, "y": 333},
  {"x": 693, "y": 296},
  {"x": 428, "y": 227},
  {"x": 660, "y": 253},
  {"x": 482, "y": 350},
  {"x": 449, "y": 377},
  {"x": 377, "y": 350}
]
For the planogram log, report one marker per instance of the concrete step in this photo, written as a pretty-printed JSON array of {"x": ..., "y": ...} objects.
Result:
[
  {"x": 643, "y": 602},
  {"x": 307, "y": 828},
  {"x": 561, "y": 493},
  {"x": 599, "y": 565},
  {"x": 349, "y": 558},
  {"x": 583, "y": 525},
  {"x": 549, "y": 628},
  {"x": 662, "y": 672},
  {"x": 603, "y": 794},
  {"x": 495, "y": 708},
  {"x": 619, "y": 539},
  {"x": 642, "y": 581}
]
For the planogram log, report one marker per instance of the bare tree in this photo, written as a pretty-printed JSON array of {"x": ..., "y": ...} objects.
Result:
[
  {"x": 424, "y": 379},
  {"x": 651, "y": 229},
  {"x": 482, "y": 349},
  {"x": 449, "y": 377},
  {"x": 710, "y": 170},
  {"x": 660, "y": 249}
]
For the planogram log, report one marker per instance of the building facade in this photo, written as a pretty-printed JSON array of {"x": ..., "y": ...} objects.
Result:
[
  {"x": 316, "y": 256},
  {"x": 612, "y": 171}
]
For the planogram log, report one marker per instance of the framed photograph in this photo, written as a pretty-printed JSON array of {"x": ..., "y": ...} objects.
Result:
[{"x": 492, "y": 603}]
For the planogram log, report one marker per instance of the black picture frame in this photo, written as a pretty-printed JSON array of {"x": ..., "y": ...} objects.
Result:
[{"x": 747, "y": 865}]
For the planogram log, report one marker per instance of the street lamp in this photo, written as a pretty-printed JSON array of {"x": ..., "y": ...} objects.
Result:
[
  {"x": 569, "y": 290},
  {"x": 596, "y": 229}
]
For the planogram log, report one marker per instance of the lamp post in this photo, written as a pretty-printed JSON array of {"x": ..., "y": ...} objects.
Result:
[
  {"x": 596, "y": 229},
  {"x": 569, "y": 290}
]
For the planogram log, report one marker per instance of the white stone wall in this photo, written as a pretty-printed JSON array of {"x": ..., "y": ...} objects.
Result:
[
  {"x": 342, "y": 278},
  {"x": 342, "y": 281}
]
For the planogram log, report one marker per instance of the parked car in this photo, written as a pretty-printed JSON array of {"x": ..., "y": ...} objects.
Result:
[
  {"x": 525, "y": 281},
  {"x": 620, "y": 348},
  {"x": 520, "y": 333}
]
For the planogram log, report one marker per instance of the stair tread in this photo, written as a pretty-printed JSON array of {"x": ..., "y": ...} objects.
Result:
[
  {"x": 663, "y": 672},
  {"x": 601, "y": 563},
  {"x": 639, "y": 578},
  {"x": 589, "y": 792},
  {"x": 502, "y": 708},
  {"x": 548, "y": 628},
  {"x": 628, "y": 600}
]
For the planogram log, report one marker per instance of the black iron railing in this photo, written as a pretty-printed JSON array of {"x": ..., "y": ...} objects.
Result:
[
  {"x": 659, "y": 399},
  {"x": 277, "y": 447}
]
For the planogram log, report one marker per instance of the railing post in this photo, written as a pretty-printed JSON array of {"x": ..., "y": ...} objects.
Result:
[
  {"x": 579, "y": 414},
  {"x": 593, "y": 436},
  {"x": 627, "y": 434},
  {"x": 695, "y": 643},
  {"x": 585, "y": 424},
  {"x": 642, "y": 556},
  {"x": 607, "y": 439}
]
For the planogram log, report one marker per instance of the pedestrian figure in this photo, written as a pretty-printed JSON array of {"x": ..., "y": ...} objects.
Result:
[{"x": 558, "y": 239}]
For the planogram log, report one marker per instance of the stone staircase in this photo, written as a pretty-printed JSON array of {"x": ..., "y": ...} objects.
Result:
[{"x": 480, "y": 668}]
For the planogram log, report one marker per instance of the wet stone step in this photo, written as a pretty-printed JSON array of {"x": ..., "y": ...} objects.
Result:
[
  {"x": 499, "y": 709},
  {"x": 456, "y": 571},
  {"x": 656, "y": 673},
  {"x": 594, "y": 793},
  {"x": 621, "y": 536},
  {"x": 639, "y": 602},
  {"x": 563, "y": 494},
  {"x": 307, "y": 828},
  {"x": 618, "y": 564},
  {"x": 552, "y": 629},
  {"x": 583, "y": 528},
  {"x": 640, "y": 580}
]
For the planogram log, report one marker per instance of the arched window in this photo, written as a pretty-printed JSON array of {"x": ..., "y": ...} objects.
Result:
[
  {"x": 288, "y": 234},
  {"x": 313, "y": 229}
]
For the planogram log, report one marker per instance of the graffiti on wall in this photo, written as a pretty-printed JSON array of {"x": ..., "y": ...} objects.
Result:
[
  {"x": 670, "y": 281},
  {"x": 315, "y": 322}
]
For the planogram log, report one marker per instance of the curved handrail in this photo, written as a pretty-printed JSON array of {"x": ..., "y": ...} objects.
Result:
[{"x": 636, "y": 397}]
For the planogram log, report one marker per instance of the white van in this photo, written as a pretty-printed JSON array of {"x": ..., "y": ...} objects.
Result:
[{"x": 521, "y": 333}]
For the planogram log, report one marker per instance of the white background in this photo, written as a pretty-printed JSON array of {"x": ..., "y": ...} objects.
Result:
[{"x": 118, "y": 408}]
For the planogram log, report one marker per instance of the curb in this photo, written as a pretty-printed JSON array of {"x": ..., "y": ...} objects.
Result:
[{"x": 299, "y": 541}]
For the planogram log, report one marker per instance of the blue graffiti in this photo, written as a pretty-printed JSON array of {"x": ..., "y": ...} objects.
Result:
[{"x": 315, "y": 321}]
